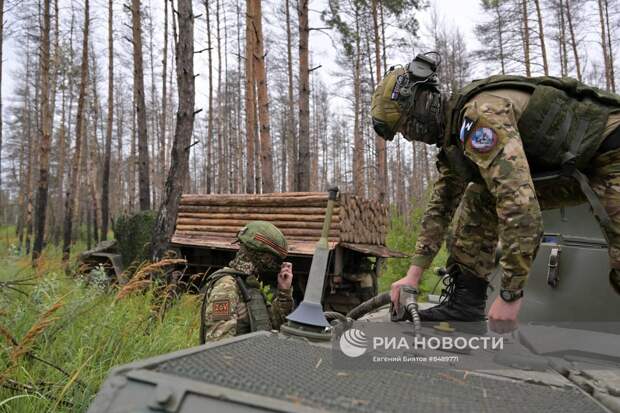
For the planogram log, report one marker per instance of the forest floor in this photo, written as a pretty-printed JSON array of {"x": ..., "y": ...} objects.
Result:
[{"x": 61, "y": 337}]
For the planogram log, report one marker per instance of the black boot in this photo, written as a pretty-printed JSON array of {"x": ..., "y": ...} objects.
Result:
[{"x": 463, "y": 299}]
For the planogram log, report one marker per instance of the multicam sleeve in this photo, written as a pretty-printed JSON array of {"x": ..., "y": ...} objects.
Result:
[
  {"x": 221, "y": 312},
  {"x": 447, "y": 192},
  {"x": 281, "y": 306},
  {"x": 495, "y": 145}
]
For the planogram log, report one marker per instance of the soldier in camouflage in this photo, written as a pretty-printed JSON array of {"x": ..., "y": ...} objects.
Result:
[
  {"x": 233, "y": 303},
  {"x": 494, "y": 135}
]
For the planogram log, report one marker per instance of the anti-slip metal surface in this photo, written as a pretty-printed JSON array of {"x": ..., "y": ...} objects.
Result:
[{"x": 301, "y": 373}]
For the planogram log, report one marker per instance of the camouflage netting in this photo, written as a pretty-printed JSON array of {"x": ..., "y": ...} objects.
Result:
[{"x": 133, "y": 233}]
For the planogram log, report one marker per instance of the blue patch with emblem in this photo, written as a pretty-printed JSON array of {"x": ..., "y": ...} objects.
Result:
[
  {"x": 483, "y": 139},
  {"x": 466, "y": 128}
]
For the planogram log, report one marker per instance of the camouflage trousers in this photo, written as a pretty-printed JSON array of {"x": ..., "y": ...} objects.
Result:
[{"x": 474, "y": 234}]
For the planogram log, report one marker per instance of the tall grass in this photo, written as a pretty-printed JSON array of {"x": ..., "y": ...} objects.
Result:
[
  {"x": 402, "y": 237},
  {"x": 61, "y": 337}
]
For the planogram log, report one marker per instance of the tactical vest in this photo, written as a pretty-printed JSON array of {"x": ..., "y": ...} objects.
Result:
[
  {"x": 563, "y": 122},
  {"x": 561, "y": 129},
  {"x": 258, "y": 313}
]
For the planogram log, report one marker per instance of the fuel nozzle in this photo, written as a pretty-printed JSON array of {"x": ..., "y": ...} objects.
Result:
[{"x": 407, "y": 308}]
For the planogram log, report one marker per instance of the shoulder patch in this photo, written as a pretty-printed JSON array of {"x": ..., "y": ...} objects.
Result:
[
  {"x": 221, "y": 309},
  {"x": 483, "y": 140},
  {"x": 466, "y": 128}
]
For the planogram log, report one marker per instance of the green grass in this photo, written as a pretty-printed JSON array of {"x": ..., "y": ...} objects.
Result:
[
  {"x": 89, "y": 334},
  {"x": 402, "y": 237}
]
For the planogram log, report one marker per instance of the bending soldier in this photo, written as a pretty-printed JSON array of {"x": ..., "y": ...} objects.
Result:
[
  {"x": 234, "y": 303},
  {"x": 493, "y": 136}
]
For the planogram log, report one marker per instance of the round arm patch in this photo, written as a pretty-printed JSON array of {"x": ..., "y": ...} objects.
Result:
[{"x": 483, "y": 140}]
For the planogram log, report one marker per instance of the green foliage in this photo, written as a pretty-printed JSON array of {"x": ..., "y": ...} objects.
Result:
[
  {"x": 266, "y": 290},
  {"x": 402, "y": 237},
  {"x": 89, "y": 334},
  {"x": 133, "y": 233}
]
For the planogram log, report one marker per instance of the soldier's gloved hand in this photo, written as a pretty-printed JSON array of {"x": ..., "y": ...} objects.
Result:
[
  {"x": 503, "y": 315},
  {"x": 412, "y": 279},
  {"x": 285, "y": 276}
]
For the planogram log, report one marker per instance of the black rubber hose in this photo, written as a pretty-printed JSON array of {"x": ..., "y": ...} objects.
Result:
[
  {"x": 369, "y": 305},
  {"x": 335, "y": 316}
]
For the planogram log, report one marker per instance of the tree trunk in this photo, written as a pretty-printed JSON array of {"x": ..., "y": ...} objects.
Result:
[
  {"x": 526, "y": 39},
  {"x": 573, "y": 39},
  {"x": 239, "y": 175},
  {"x": 131, "y": 167},
  {"x": 500, "y": 33},
  {"x": 105, "y": 184},
  {"x": 120, "y": 129},
  {"x": 144, "y": 186},
  {"x": 19, "y": 231},
  {"x": 611, "y": 53},
  {"x": 71, "y": 198},
  {"x": 250, "y": 120},
  {"x": 164, "y": 95},
  {"x": 541, "y": 35},
  {"x": 90, "y": 160},
  {"x": 153, "y": 124},
  {"x": 290, "y": 123},
  {"x": 2, "y": 216},
  {"x": 303, "y": 162},
  {"x": 563, "y": 41},
  {"x": 209, "y": 173},
  {"x": 383, "y": 46},
  {"x": 179, "y": 159},
  {"x": 44, "y": 143},
  {"x": 358, "y": 139},
  {"x": 52, "y": 222},
  {"x": 225, "y": 111},
  {"x": 266, "y": 149},
  {"x": 607, "y": 45},
  {"x": 283, "y": 152},
  {"x": 221, "y": 165},
  {"x": 379, "y": 141},
  {"x": 62, "y": 149}
]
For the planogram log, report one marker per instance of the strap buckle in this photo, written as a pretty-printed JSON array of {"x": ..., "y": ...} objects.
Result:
[{"x": 553, "y": 271}]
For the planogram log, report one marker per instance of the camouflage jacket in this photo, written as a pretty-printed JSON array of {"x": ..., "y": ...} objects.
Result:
[
  {"x": 490, "y": 139},
  {"x": 226, "y": 313}
]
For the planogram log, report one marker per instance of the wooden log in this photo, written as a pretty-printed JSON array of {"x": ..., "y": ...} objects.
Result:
[
  {"x": 258, "y": 217},
  {"x": 204, "y": 234},
  {"x": 235, "y": 229},
  {"x": 265, "y": 195},
  {"x": 255, "y": 209},
  {"x": 240, "y": 223},
  {"x": 355, "y": 219},
  {"x": 253, "y": 200},
  {"x": 230, "y": 236}
]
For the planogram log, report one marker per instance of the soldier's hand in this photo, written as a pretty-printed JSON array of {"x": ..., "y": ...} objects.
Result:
[
  {"x": 503, "y": 315},
  {"x": 412, "y": 279},
  {"x": 285, "y": 276}
]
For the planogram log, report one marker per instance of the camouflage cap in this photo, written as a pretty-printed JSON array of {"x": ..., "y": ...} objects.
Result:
[
  {"x": 385, "y": 110},
  {"x": 265, "y": 237}
]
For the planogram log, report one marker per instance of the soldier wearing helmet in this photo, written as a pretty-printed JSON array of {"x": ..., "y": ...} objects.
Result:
[
  {"x": 494, "y": 137},
  {"x": 233, "y": 303}
]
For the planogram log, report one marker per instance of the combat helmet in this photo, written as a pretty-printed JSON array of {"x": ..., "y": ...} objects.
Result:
[
  {"x": 262, "y": 236},
  {"x": 408, "y": 100}
]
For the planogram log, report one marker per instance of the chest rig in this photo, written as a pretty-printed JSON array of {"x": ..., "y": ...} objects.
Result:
[{"x": 256, "y": 305}]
